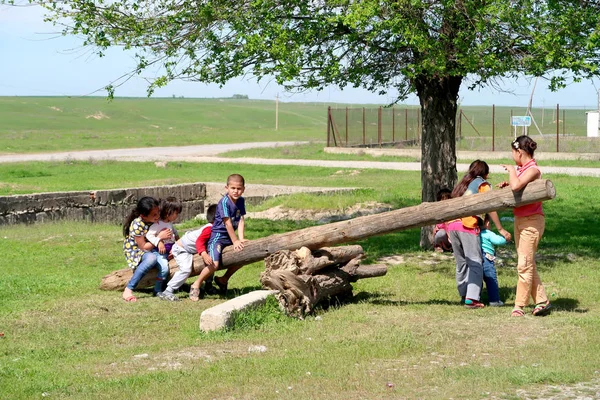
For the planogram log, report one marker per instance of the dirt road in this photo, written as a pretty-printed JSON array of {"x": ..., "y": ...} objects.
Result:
[{"x": 207, "y": 154}]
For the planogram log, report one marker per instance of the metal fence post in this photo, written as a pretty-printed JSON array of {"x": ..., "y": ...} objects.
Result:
[
  {"x": 393, "y": 125},
  {"x": 379, "y": 126},
  {"x": 493, "y": 127},
  {"x": 346, "y": 126},
  {"x": 328, "y": 125},
  {"x": 557, "y": 125},
  {"x": 406, "y": 122},
  {"x": 364, "y": 128}
]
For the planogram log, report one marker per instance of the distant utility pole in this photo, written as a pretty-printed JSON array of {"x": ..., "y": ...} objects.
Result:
[{"x": 277, "y": 111}]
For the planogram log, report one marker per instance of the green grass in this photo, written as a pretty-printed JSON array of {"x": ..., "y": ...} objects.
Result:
[
  {"x": 44, "y": 124},
  {"x": 403, "y": 335}
]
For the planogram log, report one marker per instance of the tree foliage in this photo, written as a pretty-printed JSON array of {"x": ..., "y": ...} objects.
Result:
[{"x": 373, "y": 44}]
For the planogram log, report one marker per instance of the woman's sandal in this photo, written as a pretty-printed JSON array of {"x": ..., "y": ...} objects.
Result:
[
  {"x": 194, "y": 294},
  {"x": 517, "y": 313},
  {"x": 542, "y": 309}
]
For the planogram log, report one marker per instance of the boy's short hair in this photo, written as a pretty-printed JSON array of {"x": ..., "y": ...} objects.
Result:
[
  {"x": 211, "y": 211},
  {"x": 236, "y": 177},
  {"x": 169, "y": 206},
  {"x": 444, "y": 194}
]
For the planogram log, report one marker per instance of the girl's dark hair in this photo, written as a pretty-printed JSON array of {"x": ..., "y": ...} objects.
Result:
[
  {"x": 444, "y": 194},
  {"x": 477, "y": 168},
  {"x": 211, "y": 212},
  {"x": 168, "y": 206},
  {"x": 483, "y": 222},
  {"x": 144, "y": 207},
  {"x": 525, "y": 143}
]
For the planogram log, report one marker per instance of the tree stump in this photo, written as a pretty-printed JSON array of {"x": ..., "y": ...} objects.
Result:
[{"x": 304, "y": 278}]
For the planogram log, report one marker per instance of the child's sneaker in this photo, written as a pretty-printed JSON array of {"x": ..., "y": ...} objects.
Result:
[
  {"x": 470, "y": 303},
  {"x": 498, "y": 303},
  {"x": 210, "y": 289},
  {"x": 167, "y": 296}
]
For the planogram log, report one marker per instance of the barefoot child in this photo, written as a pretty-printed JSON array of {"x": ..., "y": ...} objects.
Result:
[
  {"x": 529, "y": 228},
  {"x": 170, "y": 209},
  {"x": 229, "y": 217},
  {"x": 137, "y": 249},
  {"x": 192, "y": 242}
]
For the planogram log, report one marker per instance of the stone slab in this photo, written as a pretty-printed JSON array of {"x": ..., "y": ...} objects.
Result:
[{"x": 221, "y": 316}]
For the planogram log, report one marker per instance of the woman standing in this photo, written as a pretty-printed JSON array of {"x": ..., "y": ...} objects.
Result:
[{"x": 529, "y": 228}]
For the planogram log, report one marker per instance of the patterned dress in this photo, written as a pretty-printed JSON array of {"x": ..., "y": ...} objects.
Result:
[{"x": 133, "y": 254}]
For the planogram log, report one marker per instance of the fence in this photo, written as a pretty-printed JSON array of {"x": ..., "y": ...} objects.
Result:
[
  {"x": 486, "y": 128},
  {"x": 349, "y": 127}
]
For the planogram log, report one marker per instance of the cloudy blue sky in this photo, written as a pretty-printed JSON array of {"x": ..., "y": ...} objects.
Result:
[{"x": 35, "y": 61}]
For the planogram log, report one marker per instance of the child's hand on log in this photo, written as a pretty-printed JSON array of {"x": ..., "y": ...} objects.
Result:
[
  {"x": 207, "y": 260},
  {"x": 239, "y": 245}
]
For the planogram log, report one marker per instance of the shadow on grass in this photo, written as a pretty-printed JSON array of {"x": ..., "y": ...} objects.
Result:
[
  {"x": 561, "y": 304},
  {"x": 383, "y": 300}
]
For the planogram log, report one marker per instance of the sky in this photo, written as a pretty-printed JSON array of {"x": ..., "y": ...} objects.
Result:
[{"x": 35, "y": 61}]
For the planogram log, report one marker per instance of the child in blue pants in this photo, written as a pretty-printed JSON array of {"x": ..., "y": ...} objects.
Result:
[{"x": 490, "y": 239}]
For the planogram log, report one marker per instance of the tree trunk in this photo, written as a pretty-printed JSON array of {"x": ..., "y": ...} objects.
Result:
[
  {"x": 438, "y": 97},
  {"x": 301, "y": 287},
  {"x": 362, "y": 227}
]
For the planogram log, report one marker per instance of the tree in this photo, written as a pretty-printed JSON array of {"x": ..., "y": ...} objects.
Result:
[{"x": 425, "y": 47}]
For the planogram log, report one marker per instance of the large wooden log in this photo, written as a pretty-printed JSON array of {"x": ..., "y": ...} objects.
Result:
[{"x": 362, "y": 227}]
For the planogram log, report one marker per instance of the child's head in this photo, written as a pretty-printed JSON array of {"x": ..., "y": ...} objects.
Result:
[
  {"x": 235, "y": 186},
  {"x": 170, "y": 208},
  {"x": 147, "y": 208},
  {"x": 485, "y": 224},
  {"x": 211, "y": 211},
  {"x": 444, "y": 194},
  {"x": 236, "y": 178},
  {"x": 477, "y": 168},
  {"x": 523, "y": 144}
]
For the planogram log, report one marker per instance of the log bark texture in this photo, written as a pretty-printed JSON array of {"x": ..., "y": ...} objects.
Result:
[
  {"x": 360, "y": 228},
  {"x": 301, "y": 287}
]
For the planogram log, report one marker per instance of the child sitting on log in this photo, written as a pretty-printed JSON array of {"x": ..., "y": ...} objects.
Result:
[
  {"x": 228, "y": 218},
  {"x": 137, "y": 249},
  {"x": 170, "y": 209},
  {"x": 192, "y": 242}
]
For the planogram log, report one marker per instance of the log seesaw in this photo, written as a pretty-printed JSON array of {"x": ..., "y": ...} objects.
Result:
[{"x": 315, "y": 261}]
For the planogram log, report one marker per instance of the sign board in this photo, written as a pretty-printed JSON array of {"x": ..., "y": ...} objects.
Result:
[{"x": 521, "y": 121}]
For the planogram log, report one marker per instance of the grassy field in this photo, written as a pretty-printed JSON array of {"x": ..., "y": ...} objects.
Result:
[
  {"x": 402, "y": 336},
  {"x": 43, "y": 124}
]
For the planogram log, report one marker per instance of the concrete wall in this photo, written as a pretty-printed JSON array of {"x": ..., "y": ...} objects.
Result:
[{"x": 110, "y": 206}]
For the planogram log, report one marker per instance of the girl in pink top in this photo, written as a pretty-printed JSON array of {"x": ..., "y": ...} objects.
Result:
[{"x": 529, "y": 228}]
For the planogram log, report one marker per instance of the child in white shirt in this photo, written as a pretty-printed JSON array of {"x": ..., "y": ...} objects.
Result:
[{"x": 170, "y": 209}]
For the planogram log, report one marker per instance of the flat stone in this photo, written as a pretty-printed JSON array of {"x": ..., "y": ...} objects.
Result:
[{"x": 220, "y": 316}]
